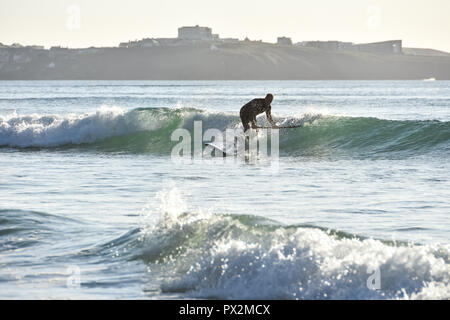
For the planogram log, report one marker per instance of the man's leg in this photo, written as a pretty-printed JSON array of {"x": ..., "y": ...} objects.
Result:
[
  {"x": 245, "y": 120},
  {"x": 254, "y": 124}
]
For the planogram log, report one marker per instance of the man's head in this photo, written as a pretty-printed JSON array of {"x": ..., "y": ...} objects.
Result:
[{"x": 269, "y": 98}]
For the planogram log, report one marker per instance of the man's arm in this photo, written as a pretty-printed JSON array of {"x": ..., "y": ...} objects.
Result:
[{"x": 269, "y": 117}]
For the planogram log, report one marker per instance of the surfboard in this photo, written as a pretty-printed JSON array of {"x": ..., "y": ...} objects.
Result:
[
  {"x": 230, "y": 150},
  {"x": 288, "y": 127},
  {"x": 224, "y": 153}
]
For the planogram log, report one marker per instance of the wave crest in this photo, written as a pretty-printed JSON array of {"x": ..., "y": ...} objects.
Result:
[{"x": 149, "y": 130}]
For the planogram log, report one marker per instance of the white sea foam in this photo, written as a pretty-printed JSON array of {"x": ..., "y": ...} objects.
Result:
[
  {"x": 54, "y": 130},
  {"x": 246, "y": 257}
]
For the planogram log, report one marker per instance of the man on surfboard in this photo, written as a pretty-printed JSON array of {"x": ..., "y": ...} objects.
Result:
[{"x": 253, "y": 108}]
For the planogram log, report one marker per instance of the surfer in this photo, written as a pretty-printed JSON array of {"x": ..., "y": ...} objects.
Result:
[{"x": 253, "y": 108}]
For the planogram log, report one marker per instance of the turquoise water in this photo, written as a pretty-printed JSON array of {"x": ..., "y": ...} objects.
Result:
[{"x": 92, "y": 205}]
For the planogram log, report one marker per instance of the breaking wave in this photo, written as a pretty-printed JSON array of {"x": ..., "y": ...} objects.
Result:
[
  {"x": 149, "y": 130},
  {"x": 206, "y": 255}
]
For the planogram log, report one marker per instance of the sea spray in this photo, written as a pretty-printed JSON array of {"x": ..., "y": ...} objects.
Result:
[{"x": 214, "y": 255}]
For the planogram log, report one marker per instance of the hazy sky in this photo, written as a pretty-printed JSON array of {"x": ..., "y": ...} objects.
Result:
[{"x": 84, "y": 23}]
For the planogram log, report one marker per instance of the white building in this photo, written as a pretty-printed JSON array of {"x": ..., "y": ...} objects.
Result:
[
  {"x": 284, "y": 41},
  {"x": 144, "y": 43},
  {"x": 196, "y": 33}
]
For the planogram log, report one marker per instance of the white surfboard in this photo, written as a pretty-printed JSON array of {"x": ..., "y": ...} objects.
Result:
[{"x": 222, "y": 151}]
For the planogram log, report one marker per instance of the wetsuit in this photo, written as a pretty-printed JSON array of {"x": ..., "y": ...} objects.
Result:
[{"x": 252, "y": 109}]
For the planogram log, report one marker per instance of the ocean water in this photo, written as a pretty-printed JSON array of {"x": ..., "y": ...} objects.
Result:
[{"x": 93, "y": 206}]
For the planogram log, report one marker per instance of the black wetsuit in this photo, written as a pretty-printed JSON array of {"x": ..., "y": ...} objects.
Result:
[{"x": 252, "y": 109}]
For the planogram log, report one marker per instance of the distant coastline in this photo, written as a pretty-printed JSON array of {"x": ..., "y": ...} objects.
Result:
[{"x": 197, "y": 54}]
